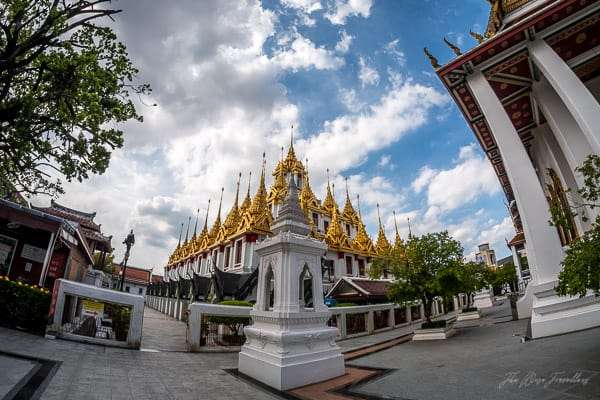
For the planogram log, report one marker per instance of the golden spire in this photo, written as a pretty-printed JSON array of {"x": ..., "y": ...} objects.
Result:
[
  {"x": 196, "y": 224},
  {"x": 247, "y": 201},
  {"x": 349, "y": 213},
  {"x": 257, "y": 217},
  {"x": 329, "y": 202},
  {"x": 233, "y": 218},
  {"x": 362, "y": 241},
  {"x": 397, "y": 239},
  {"x": 279, "y": 188},
  {"x": 335, "y": 235},
  {"x": 203, "y": 238},
  {"x": 214, "y": 231},
  {"x": 307, "y": 197},
  {"x": 382, "y": 246}
]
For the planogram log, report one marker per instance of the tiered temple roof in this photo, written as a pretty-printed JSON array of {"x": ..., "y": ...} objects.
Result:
[{"x": 254, "y": 216}]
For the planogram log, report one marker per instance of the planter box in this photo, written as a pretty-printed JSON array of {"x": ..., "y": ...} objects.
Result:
[
  {"x": 434, "y": 333},
  {"x": 468, "y": 316}
]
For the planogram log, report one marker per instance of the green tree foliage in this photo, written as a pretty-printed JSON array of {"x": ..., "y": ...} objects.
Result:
[
  {"x": 472, "y": 277},
  {"x": 106, "y": 265},
  {"x": 581, "y": 266},
  {"x": 502, "y": 276},
  {"x": 424, "y": 268},
  {"x": 65, "y": 85}
]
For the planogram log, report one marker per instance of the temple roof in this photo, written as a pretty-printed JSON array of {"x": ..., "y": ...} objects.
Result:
[{"x": 382, "y": 245}]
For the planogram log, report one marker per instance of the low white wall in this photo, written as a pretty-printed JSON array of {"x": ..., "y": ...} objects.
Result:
[{"x": 66, "y": 287}]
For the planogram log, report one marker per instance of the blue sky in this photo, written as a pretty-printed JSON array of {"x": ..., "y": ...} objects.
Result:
[{"x": 230, "y": 77}]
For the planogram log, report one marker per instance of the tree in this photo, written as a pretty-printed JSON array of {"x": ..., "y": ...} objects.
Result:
[
  {"x": 65, "y": 84},
  {"x": 472, "y": 278},
  {"x": 106, "y": 264},
  {"x": 581, "y": 266},
  {"x": 423, "y": 269}
]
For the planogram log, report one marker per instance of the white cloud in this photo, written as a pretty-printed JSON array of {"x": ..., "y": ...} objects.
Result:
[
  {"x": 349, "y": 99},
  {"x": 342, "y": 9},
  {"x": 367, "y": 74},
  {"x": 307, "y": 6},
  {"x": 471, "y": 178},
  {"x": 344, "y": 44},
  {"x": 352, "y": 137},
  {"x": 384, "y": 160},
  {"x": 392, "y": 49},
  {"x": 303, "y": 54}
]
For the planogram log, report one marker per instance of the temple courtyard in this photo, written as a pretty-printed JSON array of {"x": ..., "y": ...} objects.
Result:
[{"x": 487, "y": 359}]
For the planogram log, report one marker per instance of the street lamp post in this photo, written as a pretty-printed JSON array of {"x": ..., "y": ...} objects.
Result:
[{"x": 128, "y": 242}]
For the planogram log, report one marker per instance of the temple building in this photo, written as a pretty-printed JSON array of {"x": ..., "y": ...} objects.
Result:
[
  {"x": 229, "y": 243},
  {"x": 530, "y": 92}
]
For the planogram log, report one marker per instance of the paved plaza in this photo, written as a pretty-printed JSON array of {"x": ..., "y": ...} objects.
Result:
[{"x": 475, "y": 364}]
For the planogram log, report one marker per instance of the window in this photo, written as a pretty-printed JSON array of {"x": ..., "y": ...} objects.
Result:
[
  {"x": 140, "y": 290},
  {"x": 238, "y": 252},
  {"x": 316, "y": 219},
  {"x": 325, "y": 225},
  {"x": 348, "y": 231},
  {"x": 127, "y": 289},
  {"x": 328, "y": 270},
  {"x": 361, "y": 267},
  {"x": 349, "y": 265},
  {"x": 269, "y": 290},
  {"x": 306, "y": 292},
  {"x": 227, "y": 253}
]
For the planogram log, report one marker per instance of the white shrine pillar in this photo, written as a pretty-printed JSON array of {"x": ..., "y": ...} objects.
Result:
[
  {"x": 544, "y": 250},
  {"x": 518, "y": 267},
  {"x": 289, "y": 344},
  {"x": 577, "y": 98}
]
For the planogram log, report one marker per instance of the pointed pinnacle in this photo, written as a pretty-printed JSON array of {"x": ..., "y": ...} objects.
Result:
[
  {"x": 220, "y": 203},
  {"x": 395, "y": 223},
  {"x": 180, "y": 233},
  {"x": 358, "y": 204},
  {"x": 249, "y": 180},
  {"x": 378, "y": 215},
  {"x": 206, "y": 218},
  {"x": 196, "y": 224},
  {"x": 187, "y": 232}
]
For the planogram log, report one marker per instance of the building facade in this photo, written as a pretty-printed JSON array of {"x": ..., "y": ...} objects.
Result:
[
  {"x": 229, "y": 244},
  {"x": 530, "y": 92}
]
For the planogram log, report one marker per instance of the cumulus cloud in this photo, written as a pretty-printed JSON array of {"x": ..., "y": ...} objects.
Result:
[
  {"x": 301, "y": 53},
  {"x": 367, "y": 74},
  {"x": 342, "y": 9},
  {"x": 471, "y": 178},
  {"x": 392, "y": 48},
  {"x": 307, "y": 6},
  {"x": 344, "y": 44},
  {"x": 350, "y": 100}
]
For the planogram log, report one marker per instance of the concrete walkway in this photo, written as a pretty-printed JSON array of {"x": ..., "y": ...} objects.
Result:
[{"x": 162, "y": 333}]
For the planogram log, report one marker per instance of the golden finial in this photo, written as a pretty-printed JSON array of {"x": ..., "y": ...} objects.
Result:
[
  {"x": 379, "y": 216},
  {"x": 196, "y": 224},
  {"x": 453, "y": 47},
  {"x": 395, "y": 222},
  {"x": 347, "y": 193},
  {"x": 220, "y": 203},
  {"x": 358, "y": 204},
  {"x": 249, "y": 180},
  {"x": 206, "y": 218},
  {"x": 434, "y": 61},
  {"x": 180, "y": 233},
  {"x": 333, "y": 190},
  {"x": 187, "y": 232},
  {"x": 327, "y": 176},
  {"x": 237, "y": 190},
  {"x": 292, "y": 137},
  {"x": 409, "y": 230},
  {"x": 282, "y": 153},
  {"x": 480, "y": 39}
]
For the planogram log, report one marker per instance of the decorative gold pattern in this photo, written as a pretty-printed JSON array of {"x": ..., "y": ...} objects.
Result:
[
  {"x": 382, "y": 246},
  {"x": 335, "y": 236}
]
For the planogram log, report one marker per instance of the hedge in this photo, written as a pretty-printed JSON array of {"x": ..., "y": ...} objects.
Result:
[{"x": 23, "y": 306}]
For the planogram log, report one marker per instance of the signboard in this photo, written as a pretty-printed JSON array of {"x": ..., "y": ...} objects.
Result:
[
  {"x": 56, "y": 269},
  {"x": 53, "y": 299},
  {"x": 33, "y": 253},
  {"x": 92, "y": 308}
]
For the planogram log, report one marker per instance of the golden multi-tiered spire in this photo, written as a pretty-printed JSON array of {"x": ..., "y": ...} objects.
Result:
[
  {"x": 382, "y": 246},
  {"x": 328, "y": 204},
  {"x": 362, "y": 242},
  {"x": 247, "y": 200},
  {"x": 232, "y": 220},
  {"x": 308, "y": 199},
  {"x": 349, "y": 213},
  {"x": 176, "y": 253},
  {"x": 203, "y": 238},
  {"x": 290, "y": 164},
  {"x": 279, "y": 187},
  {"x": 398, "y": 242},
  {"x": 335, "y": 235},
  {"x": 214, "y": 231},
  {"x": 258, "y": 217}
]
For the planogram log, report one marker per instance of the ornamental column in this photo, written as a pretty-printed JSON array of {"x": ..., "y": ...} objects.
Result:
[
  {"x": 577, "y": 98},
  {"x": 543, "y": 246}
]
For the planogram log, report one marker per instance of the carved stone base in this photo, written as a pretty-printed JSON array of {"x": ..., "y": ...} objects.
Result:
[
  {"x": 466, "y": 316},
  {"x": 286, "y": 359}
]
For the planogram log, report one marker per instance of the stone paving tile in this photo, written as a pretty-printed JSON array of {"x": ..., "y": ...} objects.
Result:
[{"x": 472, "y": 364}]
